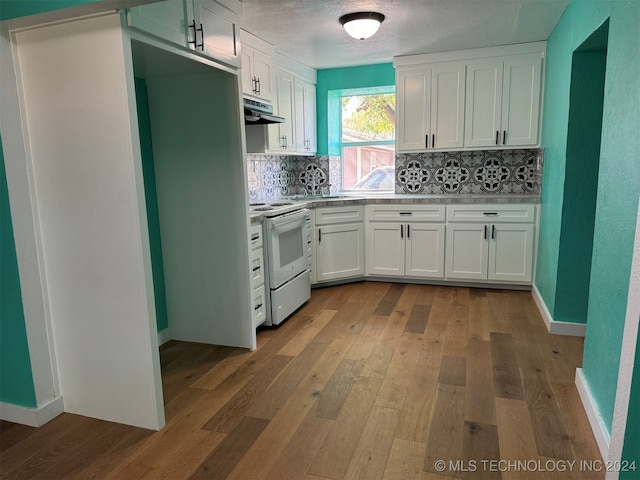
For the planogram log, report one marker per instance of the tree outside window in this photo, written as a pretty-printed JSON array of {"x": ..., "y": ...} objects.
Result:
[{"x": 368, "y": 142}]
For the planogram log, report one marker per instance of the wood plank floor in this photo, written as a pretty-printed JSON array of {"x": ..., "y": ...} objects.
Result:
[{"x": 368, "y": 380}]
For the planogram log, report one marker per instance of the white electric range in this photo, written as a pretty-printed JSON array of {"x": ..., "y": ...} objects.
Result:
[{"x": 286, "y": 228}]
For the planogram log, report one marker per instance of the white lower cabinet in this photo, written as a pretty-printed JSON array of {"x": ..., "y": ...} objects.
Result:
[
  {"x": 339, "y": 243},
  {"x": 259, "y": 304},
  {"x": 405, "y": 241},
  {"x": 490, "y": 243}
]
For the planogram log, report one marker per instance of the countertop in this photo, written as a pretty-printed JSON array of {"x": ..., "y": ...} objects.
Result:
[{"x": 399, "y": 199}]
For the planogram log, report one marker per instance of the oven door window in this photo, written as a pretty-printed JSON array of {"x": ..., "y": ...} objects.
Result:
[{"x": 290, "y": 246}]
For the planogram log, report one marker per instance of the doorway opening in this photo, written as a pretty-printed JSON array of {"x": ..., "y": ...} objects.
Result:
[{"x": 586, "y": 101}]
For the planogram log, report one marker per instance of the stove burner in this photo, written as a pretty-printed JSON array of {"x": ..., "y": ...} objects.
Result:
[
  {"x": 281, "y": 204},
  {"x": 262, "y": 209},
  {"x": 256, "y": 204}
]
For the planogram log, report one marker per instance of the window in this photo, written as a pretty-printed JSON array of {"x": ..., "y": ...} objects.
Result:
[{"x": 367, "y": 142}]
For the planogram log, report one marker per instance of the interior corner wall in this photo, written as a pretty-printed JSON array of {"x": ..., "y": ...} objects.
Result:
[
  {"x": 16, "y": 378},
  {"x": 364, "y": 76},
  {"x": 618, "y": 182},
  {"x": 151, "y": 198},
  {"x": 581, "y": 184}
]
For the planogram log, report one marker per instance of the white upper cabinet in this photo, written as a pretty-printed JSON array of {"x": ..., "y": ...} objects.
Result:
[
  {"x": 503, "y": 101},
  {"x": 430, "y": 103},
  {"x": 413, "y": 100},
  {"x": 207, "y": 27},
  {"x": 465, "y": 100},
  {"x": 304, "y": 101},
  {"x": 257, "y": 63},
  {"x": 484, "y": 103},
  {"x": 214, "y": 31},
  {"x": 521, "y": 89},
  {"x": 166, "y": 20},
  {"x": 294, "y": 99},
  {"x": 447, "y": 105},
  {"x": 281, "y": 135}
]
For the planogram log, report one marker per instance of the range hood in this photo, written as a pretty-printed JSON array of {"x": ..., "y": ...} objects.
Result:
[{"x": 258, "y": 113}]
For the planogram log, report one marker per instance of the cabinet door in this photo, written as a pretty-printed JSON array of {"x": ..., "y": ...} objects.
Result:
[
  {"x": 413, "y": 99},
  {"x": 298, "y": 115},
  {"x": 248, "y": 76},
  {"x": 281, "y": 134},
  {"x": 521, "y": 99},
  {"x": 218, "y": 38},
  {"x": 466, "y": 251},
  {"x": 310, "y": 135},
  {"x": 262, "y": 72},
  {"x": 339, "y": 251},
  {"x": 511, "y": 252},
  {"x": 385, "y": 249},
  {"x": 483, "y": 103},
  {"x": 425, "y": 250},
  {"x": 447, "y": 105},
  {"x": 167, "y": 20}
]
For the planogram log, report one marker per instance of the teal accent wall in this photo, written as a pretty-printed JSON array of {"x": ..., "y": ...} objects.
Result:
[
  {"x": 332, "y": 83},
  {"x": 21, "y": 8},
  {"x": 16, "y": 379},
  {"x": 151, "y": 197},
  {"x": 631, "y": 448},
  {"x": 618, "y": 181}
]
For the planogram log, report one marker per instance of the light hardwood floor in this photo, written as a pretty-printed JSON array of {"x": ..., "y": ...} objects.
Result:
[{"x": 368, "y": 380}]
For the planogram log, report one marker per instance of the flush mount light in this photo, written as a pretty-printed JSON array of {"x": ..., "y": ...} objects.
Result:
[{"x": 361, "y": 25}]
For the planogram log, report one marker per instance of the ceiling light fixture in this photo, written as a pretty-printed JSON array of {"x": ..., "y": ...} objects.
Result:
[{"x": 361, "y": 25}]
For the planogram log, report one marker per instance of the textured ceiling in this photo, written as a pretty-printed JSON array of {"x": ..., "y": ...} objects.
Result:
[{"x": 308, "y": 30}]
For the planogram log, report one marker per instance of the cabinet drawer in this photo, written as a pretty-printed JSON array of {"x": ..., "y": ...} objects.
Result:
[
  {"x": 257, "y": 268},
  {"x": 255, "y": 236},
  {"x": 515, "y": 213},
  {"x": 259, "y": 306},
  {"x": 331, "y": 215},
  {"x": 406, "y": 213}
]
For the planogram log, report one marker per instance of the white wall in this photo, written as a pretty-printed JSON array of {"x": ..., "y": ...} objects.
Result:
[{"x": 80, "y": 127}]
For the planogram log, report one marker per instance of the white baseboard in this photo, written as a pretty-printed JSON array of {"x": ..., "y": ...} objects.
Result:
[
  {"x": 598, "y": 427},
  {"x": 34, "y": 417},
  {"x": 555, "y": 327},
  {"x": 164, "y": 336}
]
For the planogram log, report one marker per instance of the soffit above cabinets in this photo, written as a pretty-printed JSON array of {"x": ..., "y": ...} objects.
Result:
[{"x": 309, "y": 31}]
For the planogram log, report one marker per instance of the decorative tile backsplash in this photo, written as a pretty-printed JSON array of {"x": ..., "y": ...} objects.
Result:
[
  {"x": 274, "y": 176},
  {"x": 473, "y": 172},
  {"x": 477, "y": 172}
]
